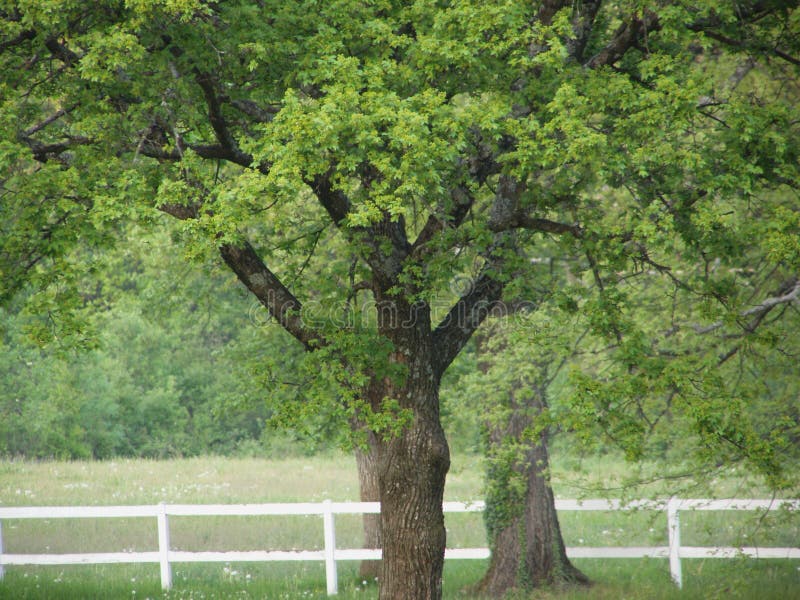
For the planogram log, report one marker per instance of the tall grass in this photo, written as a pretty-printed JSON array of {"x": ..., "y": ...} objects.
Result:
[{"x": 222, "y": 480}]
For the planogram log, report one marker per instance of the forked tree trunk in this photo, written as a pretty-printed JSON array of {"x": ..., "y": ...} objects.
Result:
[
  {"x": 411, "y": 464},
  {"x": 369, "y": 491},
  {"x": 524, "y": 533}
]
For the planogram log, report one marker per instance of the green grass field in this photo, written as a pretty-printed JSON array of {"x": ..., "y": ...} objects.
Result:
[{"x": 223, "y": 480}]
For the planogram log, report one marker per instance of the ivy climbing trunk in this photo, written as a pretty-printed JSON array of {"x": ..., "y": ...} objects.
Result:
[
  {"x": 524, "y": 533},
  {"x": 369, "y": 491}
]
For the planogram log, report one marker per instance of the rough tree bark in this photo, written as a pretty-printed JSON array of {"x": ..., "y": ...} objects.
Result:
[
  {"x": 369, "y": 491},
  {"x": 411, "y": 466},
  {"x": 412, "y": 472}
]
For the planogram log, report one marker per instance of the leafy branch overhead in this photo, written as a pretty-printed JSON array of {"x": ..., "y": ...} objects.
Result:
[{"x": 413, "y": 145}]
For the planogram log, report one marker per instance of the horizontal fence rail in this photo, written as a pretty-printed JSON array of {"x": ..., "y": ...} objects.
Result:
[{"x": 330, "y": 554}]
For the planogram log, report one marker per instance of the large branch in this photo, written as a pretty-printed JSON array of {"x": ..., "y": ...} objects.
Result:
[
  {"x": 223, "y": 134},
  {"x": 548, "y": 10},
  {"x": 209, "y": 151},
  {"x": 507, "y": 214},
  {"x": 386, "y": 260},
  {"x": 260, "y": 114},
  {"x": 628, "y": 35},
  {"x": 788, "y": 293},
  {"x": 49, "y": 120},
  {"x": 270, "y": 291},
  {"x": 455, "y": 330},
  {"x": 333, "y": 200},
  {"x": 43, "y": 152},
  {"x": 462, "y": 199},
  {"x": 633, "y": 33},
  {"x": 478, "y": 168},
  {"x": 23, "y": 36},
  {"x": 522, "y": 221},
  {"x": 473, "y": 307},
  {"x": 61, "y": 52},
  {"x": 243, "y": 260},
  {"x": 583, "y": 19}
]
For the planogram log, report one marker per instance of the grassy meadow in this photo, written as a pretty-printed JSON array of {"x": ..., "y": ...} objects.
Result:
[{"x": 230, "y": 480}]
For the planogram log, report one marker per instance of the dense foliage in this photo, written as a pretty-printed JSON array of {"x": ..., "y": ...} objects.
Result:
[
  {"x": 348, "y": 160},
  {"x": 647, "y": 138},
  {"x": 162, "y": 375}
]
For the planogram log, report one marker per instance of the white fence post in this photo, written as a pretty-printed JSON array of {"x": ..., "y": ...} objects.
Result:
[
  {"x": 1, "y": 550},
  {"x": 674, "y": 532},
  {"x": 163, "y": 547},
  {"x": 330, "y": 548}
]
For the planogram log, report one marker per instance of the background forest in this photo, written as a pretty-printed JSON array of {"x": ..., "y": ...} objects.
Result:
[{"x": 158, "y": 373}]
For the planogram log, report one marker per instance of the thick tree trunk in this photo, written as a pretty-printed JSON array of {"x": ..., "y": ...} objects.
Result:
[
  {"x": 525, "y": 536},
  {"x": 412, "y": 475},
  {"x": 412, "y": 464},
  {"x": 366, "y": 462}
]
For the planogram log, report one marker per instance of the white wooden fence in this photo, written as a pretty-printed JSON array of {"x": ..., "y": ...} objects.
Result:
[{"x": 331, "y": 554}]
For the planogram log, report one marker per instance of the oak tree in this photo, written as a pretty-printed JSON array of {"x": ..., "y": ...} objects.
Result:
[{"x": 386, "y": 147}]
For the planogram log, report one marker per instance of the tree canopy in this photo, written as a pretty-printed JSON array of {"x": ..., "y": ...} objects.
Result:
[{"x": 347, "y": 160}]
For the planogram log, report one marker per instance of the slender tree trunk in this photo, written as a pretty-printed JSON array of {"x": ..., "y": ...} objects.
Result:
[
  {"x": 525, "y": 536},
  {"x": 366, "y": 461}
]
